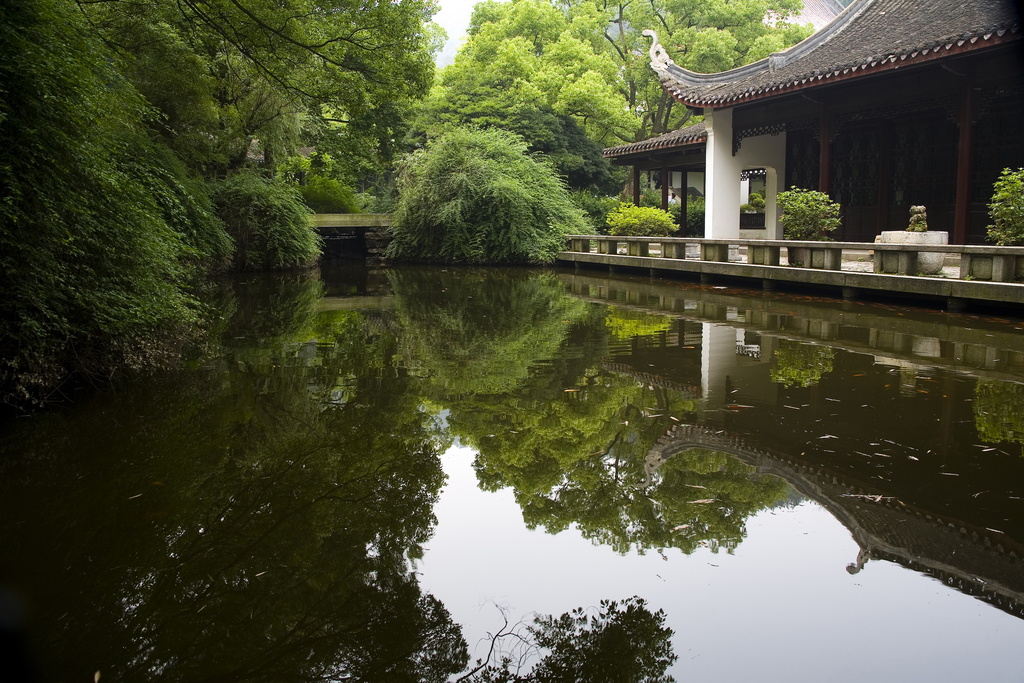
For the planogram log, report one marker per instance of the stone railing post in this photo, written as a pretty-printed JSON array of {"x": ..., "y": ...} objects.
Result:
[
  {"x": 833, "y": 259},
  {"x": 673, "y": 250},
  {"x": 714, "y": 252},
  {"x": 763, "y": 256},
  {"x": 638, "y": 248}
]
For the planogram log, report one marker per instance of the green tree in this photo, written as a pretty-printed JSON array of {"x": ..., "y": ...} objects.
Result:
[
  {"x": 269, "y": 222},
  {"x": 698, "y": 35},
  {"x": 477, "y": 197},
  {"x": 527, "y": 56},
  {"x": 229, "y": 77},
  {"x": 98, "y": 225}
]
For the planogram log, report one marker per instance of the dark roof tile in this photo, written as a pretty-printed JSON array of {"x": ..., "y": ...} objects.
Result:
[{"x": 683, "y": 137}]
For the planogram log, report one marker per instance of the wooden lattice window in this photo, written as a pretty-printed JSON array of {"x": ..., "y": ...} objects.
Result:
[
  {"x": 855, "y": 166},
  {"x": 803, "y": 157}
]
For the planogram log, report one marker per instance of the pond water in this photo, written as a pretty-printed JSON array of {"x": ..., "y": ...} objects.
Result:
[{"x": 367, "y": 475}]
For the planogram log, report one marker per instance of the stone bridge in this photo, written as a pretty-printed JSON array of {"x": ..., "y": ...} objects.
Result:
[{"x": 354, "y": 236}]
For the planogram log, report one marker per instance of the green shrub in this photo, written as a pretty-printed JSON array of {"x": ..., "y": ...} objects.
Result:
[
  {"x": 695, "y": 216},
  {"x": 319, "y": 182},
  {"x": 1007, "y": 209},
  {"x": 595, "y": 207},
  {"x": 185, "y": 204},
  {"x": 674, "y": 210},
  {"x": 651, "y": 197},
  {"x": 756, "y": 202},
  {"x": 808, "y": 215},
  {"x": 268, "y": 221},
  {"x": 476, "y": 196},
  {"x": 640, "y": 221},
  {"x": 327, "y": 195}
]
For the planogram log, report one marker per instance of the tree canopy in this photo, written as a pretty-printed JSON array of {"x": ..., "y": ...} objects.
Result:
[
  {"x": 225, "y": 74},
  {"x": 587, "y": 59}
]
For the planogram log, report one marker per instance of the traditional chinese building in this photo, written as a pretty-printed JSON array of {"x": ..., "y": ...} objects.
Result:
[{"x": 893, "y": 103}]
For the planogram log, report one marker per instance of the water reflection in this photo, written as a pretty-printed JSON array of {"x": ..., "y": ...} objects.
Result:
[
  {"x": 234, "y": 523},
  {"x": 873, "y": 411},
  {"x": 617, "y": 642},
  {"x": 260, "y": 513}
]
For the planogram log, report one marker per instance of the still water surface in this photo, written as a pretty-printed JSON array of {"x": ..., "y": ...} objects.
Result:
[{"x": 366, "y": 475}]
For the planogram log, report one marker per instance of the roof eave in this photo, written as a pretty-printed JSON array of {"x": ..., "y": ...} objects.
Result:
[
  {"x": 642, "y": 150},
  {"x": 871, "y": 66}
]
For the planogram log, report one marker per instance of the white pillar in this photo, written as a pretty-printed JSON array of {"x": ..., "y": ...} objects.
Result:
[
  {"x": 772, "y": 227},
  {"x": 722, "y": 178}
]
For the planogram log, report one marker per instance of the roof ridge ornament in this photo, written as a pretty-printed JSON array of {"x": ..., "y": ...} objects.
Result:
[{"x": 660, "y": 61}]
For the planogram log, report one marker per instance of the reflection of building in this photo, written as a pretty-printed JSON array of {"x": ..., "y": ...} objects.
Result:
[
  {"x": 897, "y": 339},
  {"x": 973, "y": 560},
  {"x": 882, "y": 473},
  {"x": 892, "y": 104}
]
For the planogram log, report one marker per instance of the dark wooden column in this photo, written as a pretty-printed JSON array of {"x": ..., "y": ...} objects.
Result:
[
  {"x": 825, "y": 160},
  {"x": 882, "y": 214},
  {"x": 962, "y": 217},
  {"x": 636, "y": 185},
  {"x": 665, "y": 180}
]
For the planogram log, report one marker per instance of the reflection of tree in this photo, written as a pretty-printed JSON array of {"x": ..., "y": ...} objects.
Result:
[
  {"x": 999, "y": 411},
  {"x": 569, "y": 456},
  {"x": 626, "y": 643},
  {"x": 578, "y": 457},
  {"x": 481, "y": 331},
  {"x": 801, "y": 364},
  {"x": 511, "y": 358},
  {"x": 625, "y": 324},
  {"x": 262, "y": 530}
]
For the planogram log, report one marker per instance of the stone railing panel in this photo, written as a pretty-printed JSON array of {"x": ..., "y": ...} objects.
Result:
[{"x": 977, "y": 262}]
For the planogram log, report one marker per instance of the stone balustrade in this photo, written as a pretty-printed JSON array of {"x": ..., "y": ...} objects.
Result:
[{"x": 977, "y": 262}]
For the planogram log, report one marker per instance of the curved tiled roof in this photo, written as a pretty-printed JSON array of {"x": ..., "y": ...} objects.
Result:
[
  {"x": 868, "y": 36},
  {"x": 683, "y": 137}
]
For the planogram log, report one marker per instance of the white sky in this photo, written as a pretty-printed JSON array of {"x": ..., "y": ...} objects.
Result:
[{"x": 454, "y": 18}]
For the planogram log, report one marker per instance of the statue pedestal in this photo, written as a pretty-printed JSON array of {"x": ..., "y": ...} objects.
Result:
[{"x": 928, "y": 262}]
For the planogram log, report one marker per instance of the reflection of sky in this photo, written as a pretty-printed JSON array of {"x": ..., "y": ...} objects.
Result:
[{"x": 782, "y": 608}]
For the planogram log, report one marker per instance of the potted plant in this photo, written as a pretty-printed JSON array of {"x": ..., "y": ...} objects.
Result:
[{"x": 928, "y": 263}]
